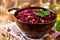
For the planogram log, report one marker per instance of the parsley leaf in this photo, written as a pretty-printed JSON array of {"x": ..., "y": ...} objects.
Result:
[
  {"x": 40, "y": 14},
  {"x": 46, "y": 12}
]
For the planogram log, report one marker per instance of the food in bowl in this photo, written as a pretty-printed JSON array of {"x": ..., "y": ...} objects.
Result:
[
  {"x": 35, "y": 22},
  {"x": 35, "y": 17}
]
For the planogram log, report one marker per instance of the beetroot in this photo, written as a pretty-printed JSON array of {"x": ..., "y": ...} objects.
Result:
[{"x": 30, "y": 17}]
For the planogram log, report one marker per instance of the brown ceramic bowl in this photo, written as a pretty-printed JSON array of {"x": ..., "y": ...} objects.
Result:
[{"x": 34, "y": 31}]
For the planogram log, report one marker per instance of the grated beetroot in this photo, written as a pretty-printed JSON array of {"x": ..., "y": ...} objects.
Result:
[{"x": 30, "y": 17}]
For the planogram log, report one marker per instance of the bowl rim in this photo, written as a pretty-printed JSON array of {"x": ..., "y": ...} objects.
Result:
[{"x": 33, "y": 8}]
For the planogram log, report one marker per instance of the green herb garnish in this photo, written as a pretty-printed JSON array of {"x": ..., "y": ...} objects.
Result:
[
  {"x": 46, "y": 12},
  {"x": 42, "y": 14}
]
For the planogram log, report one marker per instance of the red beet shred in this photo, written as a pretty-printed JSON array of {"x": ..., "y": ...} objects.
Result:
[{"x": 30, "y": 17}]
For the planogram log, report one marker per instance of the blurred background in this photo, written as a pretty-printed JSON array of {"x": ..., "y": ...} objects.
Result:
[{"x": 7, "y": 17}]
